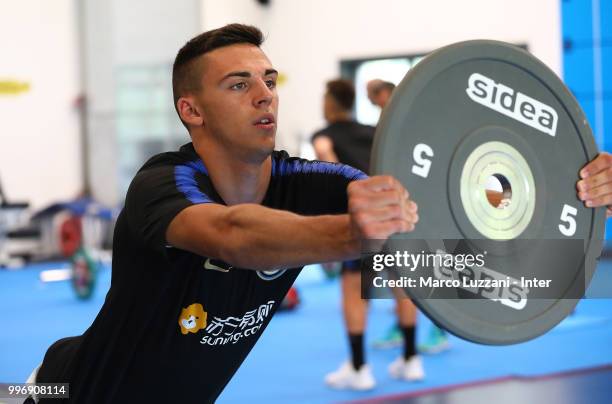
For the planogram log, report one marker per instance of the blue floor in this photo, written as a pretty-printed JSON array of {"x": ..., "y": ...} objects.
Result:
[{"x": 297, "y": 349}]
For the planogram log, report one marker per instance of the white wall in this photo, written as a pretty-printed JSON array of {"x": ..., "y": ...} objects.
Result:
[
  {"x": 307, "y": 39},
  {"x": 152, "y": 31},
  {"x": 120, "y": 34},
  {"x": 99, "y": 87},
  {"x": 39, "y": 130}
]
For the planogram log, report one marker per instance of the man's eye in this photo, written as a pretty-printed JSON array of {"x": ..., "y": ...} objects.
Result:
[
  {"x": 271, "y": 83},
  {"x": 238, "y": 86}
]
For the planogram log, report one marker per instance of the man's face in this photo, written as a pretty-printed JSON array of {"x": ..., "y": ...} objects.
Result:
[
  {"x": 238, "y": 99},
  {"x": 328, "y": 106},
  {"x": 373, "y": 88},
  {"x": 378, "y": 97},
  {"x": 371, "y": 95}
]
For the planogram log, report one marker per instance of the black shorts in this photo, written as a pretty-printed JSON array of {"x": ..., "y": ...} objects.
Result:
[{"x": 354, "y": 267}]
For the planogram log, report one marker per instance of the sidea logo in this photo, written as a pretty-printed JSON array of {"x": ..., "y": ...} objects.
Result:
[{"x": 514, "y": 104}]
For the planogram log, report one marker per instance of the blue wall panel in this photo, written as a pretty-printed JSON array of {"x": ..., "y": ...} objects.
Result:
[
  {"x": 576, "y": 19},
  {"x": 578, "y": 69},
  {"x": 587, "y": 63},
  {"x": 605, "y": 11},
  {"x": 606, "y": 69}
]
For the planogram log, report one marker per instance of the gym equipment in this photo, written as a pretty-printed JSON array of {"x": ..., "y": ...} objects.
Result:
[
  {"x": 84, "y": 273},
  {"x": 15, "y": 237},
  {"x": 291, "y": 300},
  {"x": 481, "y": 112}
]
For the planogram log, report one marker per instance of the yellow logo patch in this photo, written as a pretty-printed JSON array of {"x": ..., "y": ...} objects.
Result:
[{"x": 192, "y": 319}]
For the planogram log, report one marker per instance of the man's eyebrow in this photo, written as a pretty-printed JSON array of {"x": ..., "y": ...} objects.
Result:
[
  {"x": 236, "y": 74},
  {"x": 247, "y": 74}
]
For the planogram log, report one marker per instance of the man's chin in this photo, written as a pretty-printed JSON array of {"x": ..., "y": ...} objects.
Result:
[
  {"x": 269, "y": 149},
  {"x": 263, "y": 150},
  {"x": 269, "y": 142}
]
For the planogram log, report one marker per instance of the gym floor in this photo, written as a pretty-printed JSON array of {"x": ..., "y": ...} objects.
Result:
[{"x": 570, "y": 364}]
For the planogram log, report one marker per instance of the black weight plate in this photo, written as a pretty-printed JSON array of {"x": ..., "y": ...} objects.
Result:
[{"x": 460, "y": 115}]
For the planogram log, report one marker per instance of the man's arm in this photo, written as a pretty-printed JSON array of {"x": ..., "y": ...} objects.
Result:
[
  {"x": 324, "y": 149},
  {"x": 255, "y": 237}
]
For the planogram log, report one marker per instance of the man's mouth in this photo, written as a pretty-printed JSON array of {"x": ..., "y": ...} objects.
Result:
[{"x": 266, "y": 122}]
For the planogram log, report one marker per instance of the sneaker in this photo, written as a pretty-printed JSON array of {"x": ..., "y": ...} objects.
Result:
[
  {"x": 437, "y": 341},
  {"x": 410, "y": 370},
  {"x": 393, "y": 339},
  {"x": 346, "y": 377}
]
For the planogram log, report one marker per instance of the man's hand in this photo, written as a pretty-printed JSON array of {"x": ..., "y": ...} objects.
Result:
[
  {"x": 379, "y": 207},
  {"x": 595, "y": 187}
]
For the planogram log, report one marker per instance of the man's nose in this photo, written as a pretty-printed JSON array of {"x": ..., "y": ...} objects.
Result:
[{"x": 263, "y": 95}]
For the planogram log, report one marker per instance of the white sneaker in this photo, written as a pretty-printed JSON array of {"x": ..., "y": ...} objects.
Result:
[
  {"x": 410, "y": 370},
  {"x": 346, "y": 377}
]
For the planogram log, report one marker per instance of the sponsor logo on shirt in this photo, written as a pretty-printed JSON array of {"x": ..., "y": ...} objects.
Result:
[
  {"x": 230, "y": 330},
  {"x": 192, "y": 319}
]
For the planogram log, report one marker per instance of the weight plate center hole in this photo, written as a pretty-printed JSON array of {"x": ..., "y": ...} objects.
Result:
[{"x": 498, "y": 191}]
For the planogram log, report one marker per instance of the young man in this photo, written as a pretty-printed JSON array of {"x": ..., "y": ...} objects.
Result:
[
  {"x": 201, "y": 246},
  {"x": 379, "y": 92},
  {"x": 212, "y": 236},
  {"x": 343, "y": 140}
]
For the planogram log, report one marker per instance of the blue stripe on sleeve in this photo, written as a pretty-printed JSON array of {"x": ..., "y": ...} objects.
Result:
[
  {"x": 184, "y": 176},
  {"x": 296, "y": 166}
]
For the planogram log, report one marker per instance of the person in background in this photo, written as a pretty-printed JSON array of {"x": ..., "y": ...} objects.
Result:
[
  {"x": 379, "y": 94},
  {"x": 346, "y": 141}
]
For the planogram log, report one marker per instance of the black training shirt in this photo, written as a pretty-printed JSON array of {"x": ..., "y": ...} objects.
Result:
[
  {"x": 176, "y": 326},
  {"x": 352, "y": 142}
]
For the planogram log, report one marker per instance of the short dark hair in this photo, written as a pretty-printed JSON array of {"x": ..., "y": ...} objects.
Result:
[
  {"x": 185, "y": 72},
  {"x": 384, "y": 85},
  {"x": 343, "y": 92}
]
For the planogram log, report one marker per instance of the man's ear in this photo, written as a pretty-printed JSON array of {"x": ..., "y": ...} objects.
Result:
[{"x": 189, "y": 112}]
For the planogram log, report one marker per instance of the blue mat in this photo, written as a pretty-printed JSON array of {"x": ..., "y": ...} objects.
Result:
[{"x": 297, "y": 349}]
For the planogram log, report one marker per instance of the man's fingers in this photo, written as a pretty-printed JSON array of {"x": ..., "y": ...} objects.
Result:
[
  {"x": 413, "y": 207},
  {"x": 602, "y": 200},
  {"x": 602, "y": 177},
  {"x": 380, "y": 206},
  {"x": 382, "y": 230},
  {"x": 367, "y": 200},
  {"x": 387, "y": 213},
  {"x": 595, "y": 187},
  {"x": 599, "y": 163},
  {"x": 596, "y": 192},
  {"x": 376, "y": 183}
]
